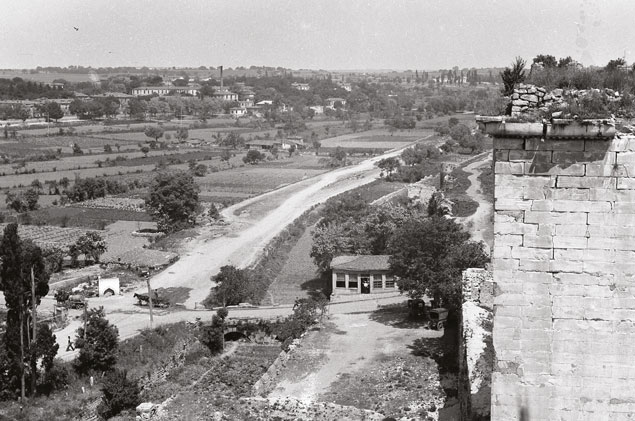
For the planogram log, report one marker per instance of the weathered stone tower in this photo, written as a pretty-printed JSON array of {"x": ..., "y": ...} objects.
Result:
[{"x": 564, "y": 271}]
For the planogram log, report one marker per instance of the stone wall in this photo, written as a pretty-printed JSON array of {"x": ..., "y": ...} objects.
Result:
[
  {"x": 529, "y": 98},
  {"x": 564, "y": 272},
  {"x": 476, "y": 356}
]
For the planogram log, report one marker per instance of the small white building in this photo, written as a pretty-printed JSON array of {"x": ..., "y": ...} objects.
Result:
[{"x": 108, "y": 286}]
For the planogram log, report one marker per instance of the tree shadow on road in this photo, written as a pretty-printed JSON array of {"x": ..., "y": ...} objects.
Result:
[
  {"x": 316, "y": 287},
  {"x": 398, "y": 316}
]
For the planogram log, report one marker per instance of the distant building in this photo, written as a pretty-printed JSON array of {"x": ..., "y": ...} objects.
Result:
[
  {"x": 237, "y": 111},
  {"x": 301, "y": 86},
  {"x": 346, "y": 86},
  {"x": 225, "y": 95},
  {"x": 362, "y": 274},
  {"x": 165, "y": 90},
  {"x": 332, "y": 101},
  {"x": 317, "y": 109}
]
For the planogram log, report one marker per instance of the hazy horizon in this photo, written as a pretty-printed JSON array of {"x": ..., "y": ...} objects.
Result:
[{"x": 354, "y": 35}]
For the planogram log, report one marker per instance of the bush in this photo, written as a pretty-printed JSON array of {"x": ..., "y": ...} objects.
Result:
[
  {"x": 57, "y": 378},
  {"x": 212, "y": 336},
  {"x": 120, "y": 393}
]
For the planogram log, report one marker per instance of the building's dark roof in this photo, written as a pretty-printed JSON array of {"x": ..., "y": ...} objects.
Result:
[{"x": 361, "y": 263}]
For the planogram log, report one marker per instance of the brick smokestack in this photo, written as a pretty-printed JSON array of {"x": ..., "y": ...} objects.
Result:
[{"x": 221, "y": 78}]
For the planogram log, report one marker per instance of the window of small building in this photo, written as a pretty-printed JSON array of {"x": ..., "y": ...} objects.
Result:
[
  {"x": 352, "y": 281},
  {"x": 377, "y": 283},
  {"x": 390, "y": 282},
  {"x": 340, "y": 282}
]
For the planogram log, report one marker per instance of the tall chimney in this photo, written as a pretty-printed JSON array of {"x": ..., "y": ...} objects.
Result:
[{"x": 221, "y": 78}]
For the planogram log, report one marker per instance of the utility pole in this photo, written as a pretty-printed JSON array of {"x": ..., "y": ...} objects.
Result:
[
  {"x": 149, "y": 300},
  {"x": 34, "y": 337},
  {"x": 85, "y": 318}
]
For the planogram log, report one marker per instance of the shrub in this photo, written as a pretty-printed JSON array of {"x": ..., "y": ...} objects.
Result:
[{"x": 120, "y": 393}]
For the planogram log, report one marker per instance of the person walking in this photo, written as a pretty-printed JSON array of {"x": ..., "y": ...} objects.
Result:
[{"x": 70, "y": 346}]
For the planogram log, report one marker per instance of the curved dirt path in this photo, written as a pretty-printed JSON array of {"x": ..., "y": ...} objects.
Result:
[{"x": 479, "y": 224}]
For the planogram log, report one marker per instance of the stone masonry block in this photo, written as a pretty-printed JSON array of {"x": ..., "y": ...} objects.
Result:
[
  {"x": 609, "y": 195},
  {"x": 509, "y": 240},
  {"x": 579, "y": 230},
  {"x": 515, "y": 228},
  {"x": 571, "y": 194},
  {"x": 532, "y": 217},
  {"x": 554, "y": 145},
  {"x": 625, "y": 157},
  {"x": 625, "y": 207},
  {"x": 580, "y": 206},
  {"x": 531, "y": 253},
  {"x": 537, "y": 241},
  {"x": 511, "y": 204},
  {"x": 626, "y": 183},
  {"x": 559, "y": 157},
  {"x": 508, "y": 143},
  {"x": 606, "y": 170},
  {"x": 508, "y": 192},
  {"x": 562, "y": 242},
  {"x": 539, "y": 168},
  {"x": 509, "y": 168},
  {"x": 537, "y": 193},
  {"x": 525, "y": 156},
  {"x": 585, "y": 182},
  {"x": 501, "y": 155},
  {"x": 609, "y": 219}
]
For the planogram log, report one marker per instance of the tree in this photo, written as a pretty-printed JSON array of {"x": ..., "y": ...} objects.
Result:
[
  {"x": 107, "y": 148},
  {"x": 137, "y": 108},
  {"x": 389, "y": 165},
  {"x": 154, "y": 132},
  {"x": 253, "y": 157},
  {"x": 99, "y": 350},
  {"x": 546, "y": 60},
  {"x": 91, "y": 245},
  {"x": 23, "y": 201},
  {"x": 200, "y": 170},
  {"x": 233, "y": 286},
  {"x": 145, "y": 151},
  {"x": 317, "y": 145},
  {"x": 173, "y": 200},
  {"x": 429, "y": 256},
  {"x": 77, "y": 150},
  {"x": 120, "y": 393},
  {"x": 225, "y": 155},
  {"x": 615, "y": 64},
  {"x": 22, "y": 263},
  {"x": 52, "y": 110},
  {"x": 512, "y": 76},
  {"x": 182, "y": 134}
]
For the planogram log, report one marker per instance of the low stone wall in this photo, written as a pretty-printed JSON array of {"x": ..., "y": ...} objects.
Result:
[
  {"x": 476, "y": 351},
  {"x": 269, "y": 380}
]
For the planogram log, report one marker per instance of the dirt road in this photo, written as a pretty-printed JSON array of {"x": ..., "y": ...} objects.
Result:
[{"x": 479, "y": 224}]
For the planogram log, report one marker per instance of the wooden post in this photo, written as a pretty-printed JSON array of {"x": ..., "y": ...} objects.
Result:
[
  {"x": 34, "y": 337},
  {"x": 149, "y": 300},
  {"x": 22, "y": 396},
  {"x": 85, "y": 319}
]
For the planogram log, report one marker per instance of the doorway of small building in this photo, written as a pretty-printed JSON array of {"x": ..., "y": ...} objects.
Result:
[{"x": 365, "y": 280}]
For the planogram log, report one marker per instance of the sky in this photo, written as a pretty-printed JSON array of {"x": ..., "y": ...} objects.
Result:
[{"x": 315, "y": 34}]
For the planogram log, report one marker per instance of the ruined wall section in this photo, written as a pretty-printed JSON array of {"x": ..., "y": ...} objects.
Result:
[
  {"x": 564, "y": 272},
  {"x": 476, "y": 354}
]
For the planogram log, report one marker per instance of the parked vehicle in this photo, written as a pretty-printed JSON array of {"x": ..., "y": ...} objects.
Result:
[
  {"x": 417, "y": 308},
  {"x": 144, "y": 299},
  {"x": 76, "y": 301},
  {"x": 438, "y": 318}
]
